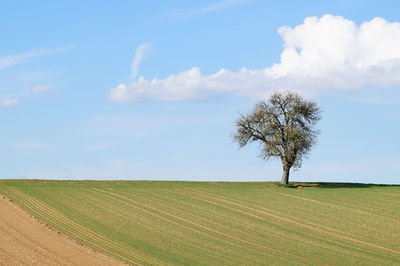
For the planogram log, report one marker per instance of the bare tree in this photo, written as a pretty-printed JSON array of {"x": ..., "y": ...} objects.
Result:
[{"x": 284, "y": 126}]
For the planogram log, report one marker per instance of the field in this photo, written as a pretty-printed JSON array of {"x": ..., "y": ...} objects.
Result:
[
  {"x": 25, "y": 240},
  {"x": 198, "y": 223}
]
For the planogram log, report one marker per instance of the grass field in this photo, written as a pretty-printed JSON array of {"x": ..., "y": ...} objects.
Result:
[{"x": 191, "y": 223}]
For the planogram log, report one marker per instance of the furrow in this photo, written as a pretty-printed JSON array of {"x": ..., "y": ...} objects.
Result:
[
  {"x": 299, "y": 224},
  {"x": 218, "y": 232},
  {"x": 343, "y": 245},
  {"x": 97, "y": 241},
  {"x": 340, "y": 207},
  {"x": 126, "y": 216},
  {"x": 124, "y": 199}
]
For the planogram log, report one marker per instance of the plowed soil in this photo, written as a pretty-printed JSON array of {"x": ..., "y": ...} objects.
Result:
[{"x": 26, "y": 241}]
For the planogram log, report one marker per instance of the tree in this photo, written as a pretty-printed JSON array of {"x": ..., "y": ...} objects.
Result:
[{"x": 284, "y": 126}]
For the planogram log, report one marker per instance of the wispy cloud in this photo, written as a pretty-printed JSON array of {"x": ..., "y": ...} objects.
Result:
[
  {"x": 13, "y": 100},
  {"x": 17, "y": 59},
  {"x": 203, "y": 10},
  {"x": 8, "y": 102},
  {"x": 39, "y": 89},
  {"x": 220, "y": 5},
  {"x": 140, "y": 53}
]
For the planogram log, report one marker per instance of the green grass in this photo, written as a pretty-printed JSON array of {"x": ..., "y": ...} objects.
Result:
[{"x": 216, "y": 223}]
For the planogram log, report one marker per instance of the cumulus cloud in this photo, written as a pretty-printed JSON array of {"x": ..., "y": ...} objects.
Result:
[{"x": 328, "y": 53}]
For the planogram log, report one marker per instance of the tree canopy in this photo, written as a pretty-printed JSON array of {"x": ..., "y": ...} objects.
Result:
[{"x": 284, "y": 126}]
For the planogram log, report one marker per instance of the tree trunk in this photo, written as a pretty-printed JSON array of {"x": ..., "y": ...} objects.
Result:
[{"x": 285, "y": 175}]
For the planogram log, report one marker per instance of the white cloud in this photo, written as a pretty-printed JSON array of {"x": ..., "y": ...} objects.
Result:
[
  {"x": 40, "y": 89},
  {"x": 221, "y": 5},
  {"x": 17, "y": 59},
  {"x": 329, "y": 53},
  {"x": 9, "y": 102},
  {"x": 139, "y": 56},
  {"x": 224, "y": 4},
  {"x": 12, "y": 60},
  {"x": 13, "y": 100}
]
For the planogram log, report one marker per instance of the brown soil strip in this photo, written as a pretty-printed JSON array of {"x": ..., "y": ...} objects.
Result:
[
  {"x": 212, "y": 230},
  {"x": 25, "y": 240},
  {"x": 288, "y": 220},
  {"x": 81, "y": 232}
]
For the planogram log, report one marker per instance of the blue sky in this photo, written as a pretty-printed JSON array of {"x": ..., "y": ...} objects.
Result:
[{"x": 151, "y": 90}]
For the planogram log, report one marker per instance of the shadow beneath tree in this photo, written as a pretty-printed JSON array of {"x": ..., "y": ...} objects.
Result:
[{"x": 335, "y": 185}]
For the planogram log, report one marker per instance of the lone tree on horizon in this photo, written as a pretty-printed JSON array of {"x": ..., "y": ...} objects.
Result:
[{"x": 284, "y": 126}]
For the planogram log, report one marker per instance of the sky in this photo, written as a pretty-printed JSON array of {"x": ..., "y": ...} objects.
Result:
[{"x": 150, "y": 90}]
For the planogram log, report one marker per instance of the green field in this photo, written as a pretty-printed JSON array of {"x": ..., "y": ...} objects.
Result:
[{"x": 199, "y": 223}]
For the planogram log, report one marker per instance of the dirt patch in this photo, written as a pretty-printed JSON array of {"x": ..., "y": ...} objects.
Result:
[{"x": 26, "y": 241}]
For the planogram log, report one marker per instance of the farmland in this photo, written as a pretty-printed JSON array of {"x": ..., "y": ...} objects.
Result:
[
  {"x": 195, "y": 223},
  {"x": 25, "y": 240}
]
